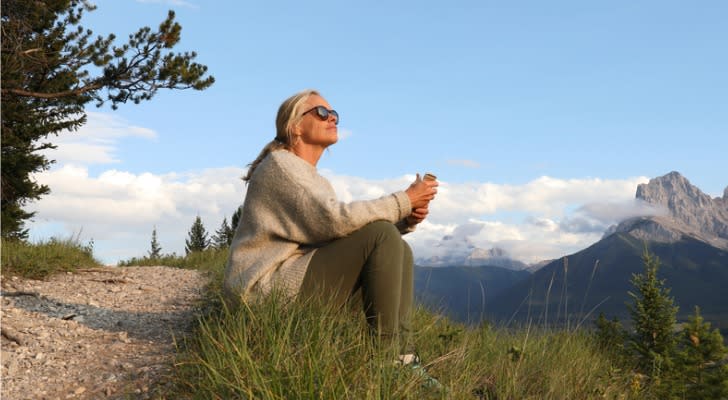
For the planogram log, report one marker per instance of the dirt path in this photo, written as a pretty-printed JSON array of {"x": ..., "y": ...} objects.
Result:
[{"x": 99, "y": 333}]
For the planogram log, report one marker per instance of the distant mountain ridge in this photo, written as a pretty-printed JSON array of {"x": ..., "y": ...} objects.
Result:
[{"x": 477, "y": 257}]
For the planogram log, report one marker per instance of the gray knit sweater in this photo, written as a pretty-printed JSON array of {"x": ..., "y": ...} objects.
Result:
[{"x": 289, "y": 211}]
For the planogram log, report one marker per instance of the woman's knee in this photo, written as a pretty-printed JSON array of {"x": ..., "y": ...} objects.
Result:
[
  {"x": 383, "y": 229},
  {"x": 408, "y": 255},
  {"x": 386, "y": 247}
]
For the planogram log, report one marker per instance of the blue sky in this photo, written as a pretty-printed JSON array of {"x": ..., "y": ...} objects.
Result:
[{"x": 530, "y": 113}]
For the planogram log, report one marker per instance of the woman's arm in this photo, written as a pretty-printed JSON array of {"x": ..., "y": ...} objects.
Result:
[{"x": 305, "y": 207}]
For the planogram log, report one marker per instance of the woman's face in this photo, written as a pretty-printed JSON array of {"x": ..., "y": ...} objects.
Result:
[{"x": 312, "y": 129}]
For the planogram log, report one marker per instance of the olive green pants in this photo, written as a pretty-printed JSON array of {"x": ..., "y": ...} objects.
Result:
[{"x": 374, "y": 261}]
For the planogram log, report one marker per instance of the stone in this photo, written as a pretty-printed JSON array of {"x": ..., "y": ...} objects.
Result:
[
  {"x": 688, "y": 212},
  {"x": 90, "y": 356}
]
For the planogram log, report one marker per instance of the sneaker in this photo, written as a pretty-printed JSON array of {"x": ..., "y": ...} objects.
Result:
[{"x": 412, "y": 361}]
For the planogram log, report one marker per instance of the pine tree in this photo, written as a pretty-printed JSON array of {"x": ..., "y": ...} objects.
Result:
[
  {"x": 654, "y": 317},
  {"x": 702, "y": 360},
  {"x": 156, "y": 249},
  {"x": 223, "y": 237},
  {"x": 236, "y": 218},
  {"x": 610, "y": 335},
  {"x": 52, "y": 67},
  {"x": 197, "y": 237}
]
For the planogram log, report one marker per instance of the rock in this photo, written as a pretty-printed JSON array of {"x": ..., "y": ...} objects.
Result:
[
  {"x": 72, "y": 344},
  {"x": 690, "y": 212}
]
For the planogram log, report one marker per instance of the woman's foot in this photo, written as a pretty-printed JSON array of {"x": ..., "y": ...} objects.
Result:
[{"x": 412, "y": 361}]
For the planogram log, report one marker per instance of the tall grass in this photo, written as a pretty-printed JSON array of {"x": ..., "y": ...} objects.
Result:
[
  {"x": 40, "y": 259},
  {"x": 274, "y": 348}
]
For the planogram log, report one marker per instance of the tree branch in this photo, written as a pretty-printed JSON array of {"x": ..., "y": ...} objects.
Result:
[{"x": 40, "y": 95}]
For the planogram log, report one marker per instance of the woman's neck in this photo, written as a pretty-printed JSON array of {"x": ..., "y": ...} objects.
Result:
[{"x": 310, "y": 154}]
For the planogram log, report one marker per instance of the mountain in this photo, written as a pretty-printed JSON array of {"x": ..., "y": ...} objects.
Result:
[
  {"x": 475, "y": 257},
  {"x": 597, "y": 279},
  {"x": 690, "y": 212},
  {"x": 690, "y": 239},
  {"x": 463, "y": 292}
]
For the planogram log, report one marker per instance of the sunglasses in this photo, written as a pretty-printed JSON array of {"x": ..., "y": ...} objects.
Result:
[{"x": 323, "y": 113}]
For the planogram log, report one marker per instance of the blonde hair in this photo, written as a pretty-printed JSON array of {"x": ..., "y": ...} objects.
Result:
[{"x": 289, "y": 114}]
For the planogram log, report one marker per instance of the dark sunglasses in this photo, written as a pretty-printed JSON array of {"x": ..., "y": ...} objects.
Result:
[{"x": 323, "y": 113}]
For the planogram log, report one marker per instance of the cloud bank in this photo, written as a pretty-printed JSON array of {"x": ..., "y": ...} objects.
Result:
[
  {"x": 95, "y": 142},
  {"x": 542, "y": 219}
]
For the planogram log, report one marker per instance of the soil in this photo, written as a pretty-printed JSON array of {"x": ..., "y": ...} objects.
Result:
[{"x": 106, "y": 332}]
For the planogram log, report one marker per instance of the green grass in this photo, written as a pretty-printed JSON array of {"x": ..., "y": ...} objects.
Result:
[
  {"x": 275, "y": 348},
  {"x": 211, "y": 259},
  {"x": 41, "y": 259}
]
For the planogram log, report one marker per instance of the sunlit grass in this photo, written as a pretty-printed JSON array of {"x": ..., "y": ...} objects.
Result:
[
  {"x": 43, "y": 258},
  {"x": 211, "y": 259},
  {"x": 275, "y": 348}
]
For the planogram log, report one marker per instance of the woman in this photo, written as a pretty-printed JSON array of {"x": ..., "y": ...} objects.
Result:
[{"x": 295, "y": 235}]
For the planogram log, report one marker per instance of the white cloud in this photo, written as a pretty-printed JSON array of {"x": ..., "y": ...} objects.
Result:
[
  {"x": 546, "y": 212},
  {"x": 96, "y": 141},
  {"x": 610, "y": 211},
  {"x": 597, "y": 217},
  {"x": 542, "y": 219},
  {"x": 118, "y": 209}
]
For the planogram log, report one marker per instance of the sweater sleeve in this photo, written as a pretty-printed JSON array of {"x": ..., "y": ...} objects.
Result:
[{"x": 313, "y": 214}]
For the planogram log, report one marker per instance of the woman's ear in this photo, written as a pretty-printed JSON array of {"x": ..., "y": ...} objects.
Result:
[{"x": 297, "y": 129}]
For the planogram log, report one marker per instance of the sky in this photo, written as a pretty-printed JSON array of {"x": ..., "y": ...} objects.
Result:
[{"x": 539, "y": 118}]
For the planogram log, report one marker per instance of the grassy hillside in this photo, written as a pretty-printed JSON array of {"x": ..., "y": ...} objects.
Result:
[
  {"x": 275, "y": 348},
  {"x": 278, "y": 349}
]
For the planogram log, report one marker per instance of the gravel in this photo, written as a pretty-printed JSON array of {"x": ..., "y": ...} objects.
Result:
[{"x": 96, "y": 333}]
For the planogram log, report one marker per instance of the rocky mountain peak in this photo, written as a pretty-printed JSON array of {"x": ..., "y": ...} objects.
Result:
[
  {"x": 684, "y": 201},
  {"x": 690, "y": 211}
]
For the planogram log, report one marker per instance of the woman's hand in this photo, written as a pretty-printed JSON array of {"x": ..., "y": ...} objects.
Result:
[
  {"x": 421, "y": 192},
  {"x": 418, "y": 215}
]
